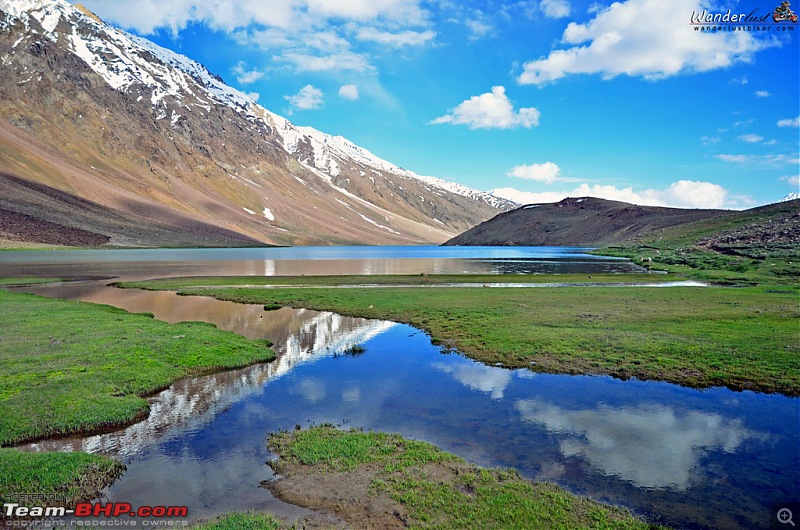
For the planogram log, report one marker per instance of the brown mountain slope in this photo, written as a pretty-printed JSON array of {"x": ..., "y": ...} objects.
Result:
[
  {"x": 586, "y": 221},
  {"x": 41, "y": 214},
  {"x": 159, "y": 143}
]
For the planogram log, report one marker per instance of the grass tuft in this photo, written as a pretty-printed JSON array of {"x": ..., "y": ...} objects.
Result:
[
  {"x": 64, "y": 478},
  {"x": 243, "y": 521}
]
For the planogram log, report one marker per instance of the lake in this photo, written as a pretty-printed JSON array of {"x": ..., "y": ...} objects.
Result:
[
  {"x": 295, "y": 261},
  {"x": 709, "y": 458}
]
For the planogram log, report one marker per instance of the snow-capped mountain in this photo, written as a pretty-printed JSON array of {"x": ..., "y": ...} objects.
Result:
[
  {"x": 150, "y": 135},
  {"x": 791, "y": 197}
]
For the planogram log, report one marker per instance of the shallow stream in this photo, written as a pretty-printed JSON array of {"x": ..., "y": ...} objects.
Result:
[{"x": 689, "y": 458}]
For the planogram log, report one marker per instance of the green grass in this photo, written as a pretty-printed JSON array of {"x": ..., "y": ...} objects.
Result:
[
  {"x": 702, "y": 264},
  {"x": 243, "y": 521},
  {"x": 758, "y": 246},
  {"x": 186, "y": 284},
  {"x": 71, "y": 477},
  {"x": 742, "y": 338},
  {"x": 26, "y": 280},
  {"x": 436, "y": 489},
  {"x": 351, "y": 350},
  {"x": 71, "y": 367}
]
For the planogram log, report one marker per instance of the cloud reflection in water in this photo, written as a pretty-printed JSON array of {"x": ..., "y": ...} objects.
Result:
[
  {"x": 650, "y": 446},
  {"x": 488, "y": 379}
]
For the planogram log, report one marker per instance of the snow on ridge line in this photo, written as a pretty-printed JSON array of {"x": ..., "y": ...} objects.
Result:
[
  {"x": 174, "y": 76},
  {"x": 132, "y": 66},
  {"x": 343, "y": 147}
]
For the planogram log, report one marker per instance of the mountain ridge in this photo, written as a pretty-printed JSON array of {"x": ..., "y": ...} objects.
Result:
[
  {"x": 115, "y": 119},
  {"x": 581, "y": 221}
]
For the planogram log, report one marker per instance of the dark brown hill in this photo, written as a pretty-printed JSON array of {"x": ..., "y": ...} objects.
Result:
[
  {"x": 585, "y": 221},
  {"x": 37, "y": 213}
]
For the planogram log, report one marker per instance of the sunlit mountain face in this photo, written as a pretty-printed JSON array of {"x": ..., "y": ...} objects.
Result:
[{"x": 113, "y": 139}]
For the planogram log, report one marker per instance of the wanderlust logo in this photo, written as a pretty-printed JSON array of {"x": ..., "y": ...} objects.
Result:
[{"x": 782, "y": 18}]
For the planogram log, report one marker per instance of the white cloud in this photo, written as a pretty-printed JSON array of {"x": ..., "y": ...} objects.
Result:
[
  {"x": 762, "y": 94},
  {"x": 265, "y": 38},
  {"x": 399, "y": 39},
  {"x": 739, "y": 159},
  {"x": 232, "y": 14},
  {"x": 793, "y": 180},
  {"x": 708, "y": 140},
  {"x": 305, "y": 62},
  {"x": 244, "y": 76},
  {"x": 307, "y": 49},
  {"x": 555, "y": 8},
  {"x": 679, "y": 194},
  {"x": 177, "y": 14},
  {"x": 751, "y": 138},
  {"x": 789, "y": 122},
  {"x": 770, "y": 160},
  {"x": 527, "y": 197},
  {"x": 492, "y": 110},
  {"x": 348, "y": 92},
  {"x": 308, "y": 35},
  {"x": 779, "y": 159},
  {"x": 405, "y": 11},
  {"x": 643, "y": 38},
  {"x": 325, "y": 41},
  {"x": 690, "y": 194},
  {"x": 547, "y": 172},
  {"x": 739, "y": 81},
  {"x": 254, "y": 95},
  {"x": 309, "y": 97},
  {"x": 477, "y": 29}
]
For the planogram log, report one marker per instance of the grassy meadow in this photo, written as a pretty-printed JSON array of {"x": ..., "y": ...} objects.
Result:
[
  {"x": 741, "y": 338},
  {"x": 752, "y": 247},
  {"x": 73, "y": 367}
]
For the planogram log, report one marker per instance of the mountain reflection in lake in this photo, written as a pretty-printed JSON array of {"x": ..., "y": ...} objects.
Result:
[
  {"x": 697, "y": 459},
  {"x": 297, "y": 261}
]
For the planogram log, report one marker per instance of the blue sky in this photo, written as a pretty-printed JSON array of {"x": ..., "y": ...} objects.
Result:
[{"x": 537, "y": 99}]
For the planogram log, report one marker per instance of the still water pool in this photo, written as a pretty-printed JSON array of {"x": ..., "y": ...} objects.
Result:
[
  {"x": 689, "y": 458},
  {"x": 295, "y": 261}
]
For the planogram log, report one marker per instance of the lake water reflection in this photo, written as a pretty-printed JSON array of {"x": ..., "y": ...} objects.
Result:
[
  {"x": 295, "y": 261},
  {"x": 695, "y": 459}
]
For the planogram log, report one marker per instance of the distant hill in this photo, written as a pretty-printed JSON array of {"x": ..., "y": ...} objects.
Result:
[{"x": 585, "y": 221}]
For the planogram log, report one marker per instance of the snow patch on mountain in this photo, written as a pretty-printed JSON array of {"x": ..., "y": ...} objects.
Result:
[{"x": 133, "y": 64}]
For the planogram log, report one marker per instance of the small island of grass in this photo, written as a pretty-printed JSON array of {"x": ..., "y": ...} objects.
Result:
[{"x": 379, "y": 480}]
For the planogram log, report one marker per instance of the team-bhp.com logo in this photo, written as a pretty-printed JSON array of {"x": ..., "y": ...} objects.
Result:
[
  {"x": 755, "y": 20},
  {"x": 86, "y": 509}
]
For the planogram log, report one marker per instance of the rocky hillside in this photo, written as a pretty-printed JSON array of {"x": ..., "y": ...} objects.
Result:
[
  {"x": 159, "y": 151},
  {"x": 583, "y": 221}
]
